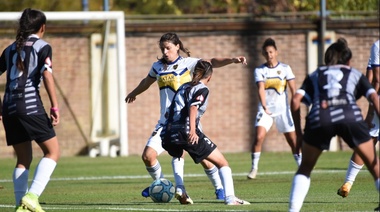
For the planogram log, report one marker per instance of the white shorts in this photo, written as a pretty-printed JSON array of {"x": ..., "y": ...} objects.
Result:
[
  {"x": 284, "y": 121},
  {"x": 374, "y": 131},
  {"x": 155, "y": 140}
]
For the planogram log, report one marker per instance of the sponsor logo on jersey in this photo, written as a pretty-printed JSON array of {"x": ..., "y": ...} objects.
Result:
[{"x": 276, "y": 84}]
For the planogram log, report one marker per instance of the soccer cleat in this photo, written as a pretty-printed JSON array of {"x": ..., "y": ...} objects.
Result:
[
  {"x": 236, "y": 201},
  {"x": 344, "y": 190},
  {"x": 21, "y": 209},
  {"x": 219, "y": 194},
  {"x": 182, "y": 197},
  {"x": 377, "y": 209},
  {"x": 145, "y": 192},
  {"x": 30, "y": 202},
  {"x": 252, "y": 174}
]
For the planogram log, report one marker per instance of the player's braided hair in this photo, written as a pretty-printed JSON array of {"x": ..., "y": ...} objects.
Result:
[
  {"x": 202, "y": 70},
  {"x": 30, "y": 22},
  {"x": 174, "y": 39},
  {"x": 338, "y": 53}
]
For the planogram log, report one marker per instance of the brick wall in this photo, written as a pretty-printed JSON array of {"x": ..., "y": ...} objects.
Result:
[{"x": 229, "y": 120}]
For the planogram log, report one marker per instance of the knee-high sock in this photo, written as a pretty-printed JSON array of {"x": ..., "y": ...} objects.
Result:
[
  {"x": 352, "y": 171},
  {"x": 20, "y": 183},
  {"x": 42, "y": 175},
  {"x": 178, "y": 170},
  {"x": 227, "y": 181},
  {"x": 255, "y": 160},
  {"x": 155, "y": 171},
  {"x": 213, "y": 175},
  {"x": 300, "y": 187}
]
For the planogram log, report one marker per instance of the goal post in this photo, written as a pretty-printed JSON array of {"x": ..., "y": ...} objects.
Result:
[{"x": 118, "y": 17}]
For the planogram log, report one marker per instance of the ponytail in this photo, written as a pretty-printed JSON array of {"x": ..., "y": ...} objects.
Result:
[
  {"x": 30, "y": 22},
  {"x": 202, "y": 70}
]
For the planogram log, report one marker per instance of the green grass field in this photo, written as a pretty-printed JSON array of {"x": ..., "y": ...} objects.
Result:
[{"x": 114, "y": 184}]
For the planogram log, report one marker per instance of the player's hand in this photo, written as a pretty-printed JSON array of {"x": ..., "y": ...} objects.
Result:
[
  {"x": 130, "y": 98},
  {"x": 193, "y": 137},
  {"x": 267, "y": 111},
  {"x": 240, "y": 59},
  {"x": 54, "y": 117}
]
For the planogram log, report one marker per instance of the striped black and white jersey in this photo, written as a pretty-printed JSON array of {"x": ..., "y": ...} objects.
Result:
[
  {"x": 332, "y": 91},
  {"x": 22, "y": 95},
  {"x": 187, "y": 96}
]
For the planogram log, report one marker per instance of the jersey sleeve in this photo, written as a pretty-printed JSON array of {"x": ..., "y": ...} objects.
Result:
[
  {"x": 306, "y": 90},
  {"x": 191, "y": 62},
  {"x": 259, "y": 75},
  {"x": 153, "y": 70},
  {"x": 45, "y": 58},
  {"x": 289, "y": 73},
  {"x": 364, "y": 88},
  {"x": 199, "y": 97},
  {"x": 375, "y": 60}
]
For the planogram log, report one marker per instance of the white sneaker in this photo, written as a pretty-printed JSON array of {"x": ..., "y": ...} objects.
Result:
[
  {"x": 236, "y": 201},
  {"x": 252, "y": 174},
  {"x": 182, "y": 197}
]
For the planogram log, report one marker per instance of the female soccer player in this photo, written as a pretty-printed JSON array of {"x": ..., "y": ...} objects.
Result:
[
  {"x": 273, "y": 78},
  {"x": 170, "y": 72},
  {"x": 332, "y": 90},
  {"x": 181, "y": 130},
  {"x": 26, "y": 61}
]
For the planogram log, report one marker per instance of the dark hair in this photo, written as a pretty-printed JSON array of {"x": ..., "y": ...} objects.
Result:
[
  {"x": 174, "y": 39},
  {"x": 338, "y": 53},
  {"x": 269, "y": 42},
  {"x": 202, "y": 70},
  {"x": 30, "y": 22}
]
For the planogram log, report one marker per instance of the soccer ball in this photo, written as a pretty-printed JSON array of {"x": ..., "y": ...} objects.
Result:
[{"x": 161, "y": 190}]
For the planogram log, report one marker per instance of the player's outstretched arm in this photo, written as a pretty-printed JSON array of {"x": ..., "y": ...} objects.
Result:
[{"x": 220, "y": 62}]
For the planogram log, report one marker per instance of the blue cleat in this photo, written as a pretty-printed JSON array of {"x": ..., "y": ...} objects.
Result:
[
  {"x": 145, "y": 192},
  {"x": 219, "y": 194}
]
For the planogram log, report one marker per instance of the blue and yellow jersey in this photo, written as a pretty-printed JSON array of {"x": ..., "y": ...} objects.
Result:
[
  {"x": 170, "y": 77},
  {"x": 275, "y": 80}
]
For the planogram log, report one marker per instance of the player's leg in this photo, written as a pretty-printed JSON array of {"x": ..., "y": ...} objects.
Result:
[
  {"x": 285, "y": 125},
  {"x": 20, "y": 175},
  {"x": 212, "y": 173},
  {"x": 217, "y": 158},
  {"x": 367, "y": 152},
  {"x": 152, "y": 149},
  {"x": 356, "y": 163},
  {"x": 42, "y": 174},
  {"x": 301, "y": 180},
  {"x": 263, "y": 124}
]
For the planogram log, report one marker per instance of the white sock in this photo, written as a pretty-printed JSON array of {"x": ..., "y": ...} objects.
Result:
[
  {"x": 20, "y": 183},
  {"x": 352, "y": 171},
  {"x": 255, "y": 160},
  {"x": 298, "y": 158},
  {"x": 213, "y": 175},
  {"x": 42, "y": 175},
  {"x": 155, "y": 171},
  {"x": 298, "y": 192},
  {"x": 178, "y": 165},
  {"x": 377, "y": 184},
  {"x": 225, "y": 174}
]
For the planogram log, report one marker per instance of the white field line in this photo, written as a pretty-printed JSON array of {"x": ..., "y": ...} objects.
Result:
[{"x": 186, "y": 175}]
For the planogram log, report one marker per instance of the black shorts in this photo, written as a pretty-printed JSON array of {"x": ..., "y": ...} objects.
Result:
[
  {"x": 22, "y": 128},
  {"x": 353, "y": 134},
  {"x": 198, "y": 152}
]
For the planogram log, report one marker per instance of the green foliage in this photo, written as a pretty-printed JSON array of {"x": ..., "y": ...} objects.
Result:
[{"x": 179, "y": 7}]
